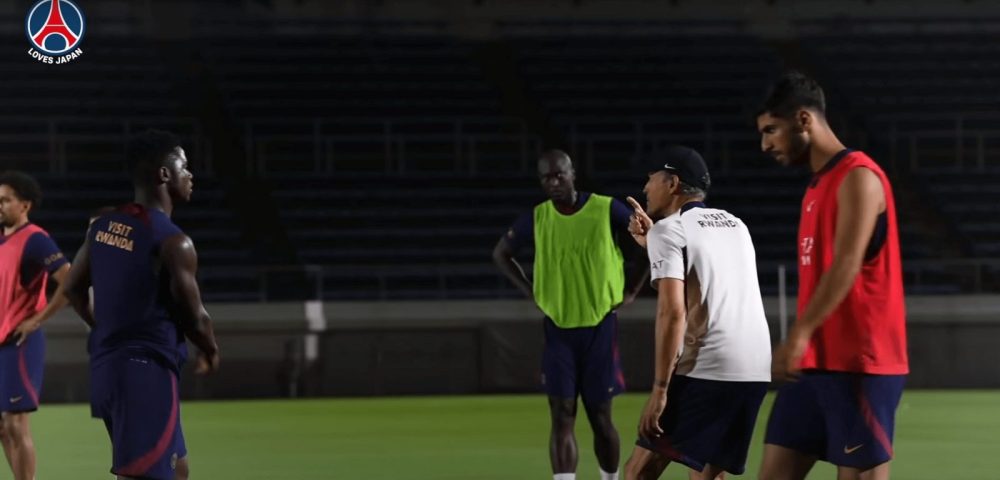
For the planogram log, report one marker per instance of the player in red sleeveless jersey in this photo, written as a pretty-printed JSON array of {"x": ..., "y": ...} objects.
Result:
[
  {"x": 846, "y": 353},
  {"x": 28, "y": 258}
]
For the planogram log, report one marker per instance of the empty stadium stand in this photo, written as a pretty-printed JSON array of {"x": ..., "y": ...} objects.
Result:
[{"x": 395, "y": 161}]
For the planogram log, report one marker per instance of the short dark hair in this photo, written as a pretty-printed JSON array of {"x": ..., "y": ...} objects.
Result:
[
  {"x": 149, "y": 149},
  {"x": 25, "y": 186},
  {"x": 789, "y": 93}
]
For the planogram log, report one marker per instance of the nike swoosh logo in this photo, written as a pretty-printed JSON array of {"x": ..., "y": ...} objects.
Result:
[
  {"x": 852, "y": 450},
  {"x": 16, "y": 399}
]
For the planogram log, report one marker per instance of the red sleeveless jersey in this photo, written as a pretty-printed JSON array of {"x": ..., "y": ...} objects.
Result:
[
  {"x": 18, "y": 302},
  {"x": 866, "y": 333}
]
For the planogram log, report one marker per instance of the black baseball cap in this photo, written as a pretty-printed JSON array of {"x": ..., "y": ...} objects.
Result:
[{"x": 684, "y": 162}]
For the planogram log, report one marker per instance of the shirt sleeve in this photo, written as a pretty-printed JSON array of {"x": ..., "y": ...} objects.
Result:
[
  {"x": 666, "y": 244},
  {"x": 620, "y": 215},
  {"x": 521, "y": 234},
  {"x": 40, "y": 254}
]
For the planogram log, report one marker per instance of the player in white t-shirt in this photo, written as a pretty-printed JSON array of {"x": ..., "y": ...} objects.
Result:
[{"x": 713, "y": 348}]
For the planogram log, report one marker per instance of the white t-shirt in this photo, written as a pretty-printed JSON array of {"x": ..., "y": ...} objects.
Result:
[{"x": 727, "y": 336}]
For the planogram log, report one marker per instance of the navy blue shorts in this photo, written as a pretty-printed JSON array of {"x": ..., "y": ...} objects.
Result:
[
  {"x": 583, "y": 361},
  {"x": 21, "y": 371},
  {"x": 844, "y": 418},
  {"x": 708, "y": 422},
  {"x": 136, "y": 396}
]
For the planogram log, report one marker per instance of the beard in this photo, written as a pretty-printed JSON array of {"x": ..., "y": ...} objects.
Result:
[
  {"x": 798, "y": 149},
  {"x": 180, "y": 193}
]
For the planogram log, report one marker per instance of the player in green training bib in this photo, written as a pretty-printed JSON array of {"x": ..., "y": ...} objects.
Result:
[{"x": 578, "y": 282}]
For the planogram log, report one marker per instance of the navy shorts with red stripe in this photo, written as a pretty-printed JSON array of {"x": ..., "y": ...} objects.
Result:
[
  {"x": 707, "y": 422},
  {"x": 21, "y": 369},
  {"x": 844, "y": 418},
  {"x": 135, "y": 394},
  {"x": 583, "y": 362}
]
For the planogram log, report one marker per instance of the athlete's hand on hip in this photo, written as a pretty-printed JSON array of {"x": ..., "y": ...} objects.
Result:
[
  {"x": 206, "y": 363},
  {"x": 26, "y": 328},
  {"x": 639, "y": 223},
  {"x": 649, "y": 423}
]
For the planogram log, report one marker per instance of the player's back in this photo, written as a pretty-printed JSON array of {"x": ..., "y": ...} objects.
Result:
[
  {"x": 727, "y": 337},
  {"x": 131, "y": 288}
]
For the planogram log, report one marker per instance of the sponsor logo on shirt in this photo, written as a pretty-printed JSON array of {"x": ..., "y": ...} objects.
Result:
[
  {"x": 716, "y": 220},
  {"x": 806, "y": 248},
  {"x": 117, "y": 235},
  {"x": 53, "y": 258}
]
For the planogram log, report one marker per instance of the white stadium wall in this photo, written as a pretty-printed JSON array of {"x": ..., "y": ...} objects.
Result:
[{"x": 467, "y": 347}]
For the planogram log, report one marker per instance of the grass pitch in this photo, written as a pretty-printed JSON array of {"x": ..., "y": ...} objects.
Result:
[{"x": 939, "y": 433}]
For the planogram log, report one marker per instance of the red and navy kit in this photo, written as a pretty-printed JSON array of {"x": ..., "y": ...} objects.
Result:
[
  {"x": 842, "y": 409},
  {"x": 136, "y": 348},
  {"x": 27, "y": 257},
  {"x": 866, "y": 333}
]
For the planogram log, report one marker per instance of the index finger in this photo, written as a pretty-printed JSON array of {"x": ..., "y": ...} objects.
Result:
[{"x": 635, "y": 205}]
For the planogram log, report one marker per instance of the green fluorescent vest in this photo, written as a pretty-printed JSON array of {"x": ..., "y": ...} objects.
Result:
[{"x": 578, "y": 273}]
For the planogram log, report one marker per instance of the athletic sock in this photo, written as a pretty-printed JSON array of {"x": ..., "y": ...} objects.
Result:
[{"x": 608, "y": 476}]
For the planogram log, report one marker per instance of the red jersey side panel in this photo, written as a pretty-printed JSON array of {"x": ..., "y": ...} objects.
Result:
[
  {"x": 866, "y": 333},
  {"x": 18, "y": 302}
]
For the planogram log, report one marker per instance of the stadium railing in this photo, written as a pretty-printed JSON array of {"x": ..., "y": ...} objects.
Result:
[
  {"x": 965, "y": 142},
  {"x": 81, "y": 144},
  {"x": 916, "y": 142},
  {"x": 474, "y": 145},
  {"x": 948, "y": 141},
  {"x": 334, "y": 144},
  {"x": 442, "y": 282}
]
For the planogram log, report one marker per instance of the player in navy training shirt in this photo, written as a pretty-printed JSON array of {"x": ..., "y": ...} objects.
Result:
[{"x": 146, "y": 301}]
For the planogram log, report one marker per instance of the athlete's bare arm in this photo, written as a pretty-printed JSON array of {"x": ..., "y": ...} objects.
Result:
[
  {"x": 181, "y": 260},
  {"x": 77, "y": 286},
  {"x": 671, "y": 323},
  {"x": 58, "y": 301},
  {"x": 860, "y": 200},
  {"x": 504, "y": 259}
]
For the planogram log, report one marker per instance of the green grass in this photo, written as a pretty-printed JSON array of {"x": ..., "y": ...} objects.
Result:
[{"x": 487, "y": 437}]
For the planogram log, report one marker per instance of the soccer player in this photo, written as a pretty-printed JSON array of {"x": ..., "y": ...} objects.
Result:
[
  {"x": 28, "y": 258},
  {"x": 846, "y": 351},
  {"x": 578, "y": 282},
  {"x": 146, "y": 301},
  {"x": 713, "y": 350}
]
